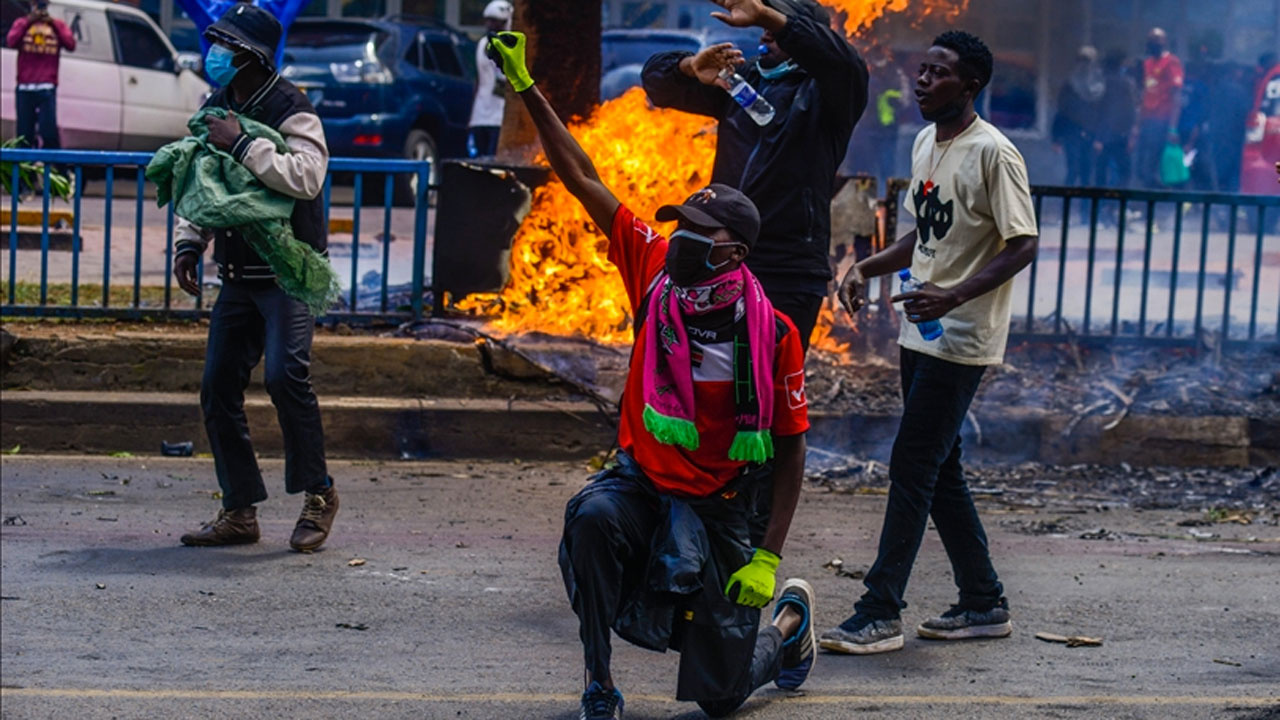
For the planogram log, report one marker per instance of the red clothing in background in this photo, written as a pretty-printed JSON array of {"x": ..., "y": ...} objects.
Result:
[
  {"x": 39, "y": 44},
  {"x": 1161, "y": 86}
]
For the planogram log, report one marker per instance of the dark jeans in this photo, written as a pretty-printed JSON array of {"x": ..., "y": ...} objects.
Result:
[
  {"x": 1079, "y": 155},
  {"x": 38, "y": 107},
  {"x": 1113, "y": 166},
  {"x": 926, "y": 480},
  {"x": 1153, "y": 136},
  {"x": 486, "y": 139},
  {"x": 607, "y": 542},
  {"x": 801, "y": 307},
  {"x": 248, "y": 319}
]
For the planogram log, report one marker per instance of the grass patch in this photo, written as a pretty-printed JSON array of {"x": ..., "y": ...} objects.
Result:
[{"x": 59, "y": 294}]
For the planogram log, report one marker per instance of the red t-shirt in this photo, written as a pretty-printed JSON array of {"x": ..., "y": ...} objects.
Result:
[
  {"x": 640, "y": 252},
  {"x": 1161, "y": 86},
  {"x": 38, "y": 45}
]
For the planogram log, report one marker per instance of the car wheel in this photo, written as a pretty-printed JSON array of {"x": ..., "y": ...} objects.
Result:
[{"x": 419, "y": 145}]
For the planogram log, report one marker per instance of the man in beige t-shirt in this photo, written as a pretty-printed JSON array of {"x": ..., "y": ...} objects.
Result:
[{"x": 975, "y": 230}]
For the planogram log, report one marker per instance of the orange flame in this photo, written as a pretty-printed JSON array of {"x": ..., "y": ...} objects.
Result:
[{"x": 561, "y": 282}]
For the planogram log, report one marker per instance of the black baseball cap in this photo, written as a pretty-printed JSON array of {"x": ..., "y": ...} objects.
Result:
[{"x": 718, "y": 206}]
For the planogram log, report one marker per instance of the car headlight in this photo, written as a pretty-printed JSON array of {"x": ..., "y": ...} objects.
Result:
[{"x": 361, "y": 71}]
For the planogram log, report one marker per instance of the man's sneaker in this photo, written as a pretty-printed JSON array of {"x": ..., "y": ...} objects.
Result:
[
  {"x": 959, "y": 623},
  {"x": 318, "y": 511},
  {"x": 800, "y": 650},
  {"x": 601, "y": 704},
  {"x": 230, "y": 527},
  {"x": 861, "y": 635}
]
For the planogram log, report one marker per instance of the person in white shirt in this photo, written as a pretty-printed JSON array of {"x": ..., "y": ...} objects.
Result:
[
  {"x": 491, "y": 86},
  {"x": 975, "y": 230}
]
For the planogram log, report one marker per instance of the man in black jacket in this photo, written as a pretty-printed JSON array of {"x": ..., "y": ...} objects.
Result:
[
  {"x": 817, "y": 85},
  {"x": 253, "y": 314}
]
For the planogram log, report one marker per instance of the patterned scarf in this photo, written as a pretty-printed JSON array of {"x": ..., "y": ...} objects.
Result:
[{"x": 668, "y": 362}]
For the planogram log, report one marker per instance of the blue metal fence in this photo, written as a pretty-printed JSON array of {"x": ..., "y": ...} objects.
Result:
[
  {"x": 1233, "y": 271},
  {"x": 1229, "y": 284},
  {"x": 109, "y": 163}
]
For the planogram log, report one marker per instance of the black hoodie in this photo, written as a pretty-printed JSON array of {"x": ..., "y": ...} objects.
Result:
[{"x": 788, "y": 168}]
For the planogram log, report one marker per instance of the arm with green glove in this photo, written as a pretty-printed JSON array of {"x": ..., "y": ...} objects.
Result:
[
  {"x": 753, "y": 584},
  {"x": 569, "y": 161}
]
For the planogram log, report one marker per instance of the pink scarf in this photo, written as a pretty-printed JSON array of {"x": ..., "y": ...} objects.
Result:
[{"x": 668, "y": 365}]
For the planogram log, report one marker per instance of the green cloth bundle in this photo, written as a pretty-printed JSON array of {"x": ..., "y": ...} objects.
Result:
[{"x": 212, "y": 190}]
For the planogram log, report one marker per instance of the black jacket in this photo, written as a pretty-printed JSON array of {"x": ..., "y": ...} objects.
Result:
[
  {"x": 283, "y": 107},
  {"x": 788, "y": 168}
]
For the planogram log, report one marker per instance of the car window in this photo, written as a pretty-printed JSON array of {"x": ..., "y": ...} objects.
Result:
[
  {"x": 446, "y": 58},
  {"x": 138, "y": 45}
]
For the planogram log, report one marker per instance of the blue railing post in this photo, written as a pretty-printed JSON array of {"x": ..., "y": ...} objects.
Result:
[
  {"x": 137, "y": 241},
  {"x": 1115, "y": 295},
  {"x": 388, "y": 193},
  {"x": 13, "y": 233},
  {"x": 106, "y": 235},
  {"x": 355, "y": 242},
  {"x": 44, "y": 236},
  {"x": 78, "y": 191},
  {"x": 420, "y": 239}
]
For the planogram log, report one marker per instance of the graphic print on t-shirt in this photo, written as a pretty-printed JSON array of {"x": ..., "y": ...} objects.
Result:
[{"x": 933, "y": 217}]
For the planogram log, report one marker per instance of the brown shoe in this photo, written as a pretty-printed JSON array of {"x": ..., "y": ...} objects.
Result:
[
  {"x": 231, "y": 527},
  {"x": 318, "y": 511}
]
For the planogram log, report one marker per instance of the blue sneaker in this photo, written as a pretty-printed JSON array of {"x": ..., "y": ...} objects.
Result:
[
  {"x": 800, "y": 650},
  {"x": 601, "y": 704},
  {"x": 861, "y": 635}
]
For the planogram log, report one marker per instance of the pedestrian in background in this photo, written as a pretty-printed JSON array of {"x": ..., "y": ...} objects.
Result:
[
  {"x": 1162, "y": 81},
  {"x": 874, "y": 148},
  {"x": 40, "y": 40},
  {"x": 1117, "y": 116},
  {"x": 975, "y": 230},
  {"x": 491, "y": 86},
  {"x": 253, "y": 316},
  {"x": 1075, "y": 125}
]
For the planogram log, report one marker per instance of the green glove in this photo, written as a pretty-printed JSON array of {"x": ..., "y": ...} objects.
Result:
[
  {"x": 754, "y": 580},
  {"x": 509, "y": 48}
]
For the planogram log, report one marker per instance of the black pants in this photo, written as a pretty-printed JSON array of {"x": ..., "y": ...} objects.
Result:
[
  {"x": 926, "y": 480},
  {"x": 801, "y": 307},
  {"x": 607, "y": 543},
  {"x": 38, "y": 107},
  {"x": 1113, "y": 167},
  {"x": 251, "y": 318}
]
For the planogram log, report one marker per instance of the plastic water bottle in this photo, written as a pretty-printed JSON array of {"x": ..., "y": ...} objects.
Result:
[
  {"x": 929, "y": 329},
  {"x": 753, "y": 102}
]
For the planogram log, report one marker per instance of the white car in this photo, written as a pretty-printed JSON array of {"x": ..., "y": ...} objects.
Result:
[{"x": 123, "y": 88}]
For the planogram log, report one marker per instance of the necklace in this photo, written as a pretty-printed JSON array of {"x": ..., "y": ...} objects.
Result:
[{"x": 928, "y": 183}]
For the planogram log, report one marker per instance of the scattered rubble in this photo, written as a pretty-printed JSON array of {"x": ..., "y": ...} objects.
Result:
[{"x": 1070, "y": 641}]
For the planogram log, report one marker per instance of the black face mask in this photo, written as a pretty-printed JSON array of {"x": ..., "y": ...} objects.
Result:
[
  {"x": 689, "y": 258},
  {"x": 1155, "y": 49}
]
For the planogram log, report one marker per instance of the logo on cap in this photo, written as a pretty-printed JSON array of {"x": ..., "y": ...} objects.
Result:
[{"x": 704, "y": 196}]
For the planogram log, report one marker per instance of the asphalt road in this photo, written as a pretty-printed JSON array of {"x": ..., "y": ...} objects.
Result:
[{"x": 458, "y": 610}]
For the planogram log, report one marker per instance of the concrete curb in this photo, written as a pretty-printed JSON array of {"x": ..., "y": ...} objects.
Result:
[{"x": 382, "y": 428}]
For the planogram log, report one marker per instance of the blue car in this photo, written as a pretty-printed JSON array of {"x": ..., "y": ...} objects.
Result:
[
  {"x": 623, "y": 52},
  {"x": 390, "y": 88}
]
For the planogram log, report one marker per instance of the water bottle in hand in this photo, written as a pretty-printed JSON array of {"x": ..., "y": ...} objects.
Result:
[
  {"x": 753, "y": 102},
  {"x": 929, "y": 329}
]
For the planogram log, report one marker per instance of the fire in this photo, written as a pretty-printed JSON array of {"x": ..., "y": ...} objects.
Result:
[
  {"x": 561, "y": 282},
  {"x": 857, "y": 16}
]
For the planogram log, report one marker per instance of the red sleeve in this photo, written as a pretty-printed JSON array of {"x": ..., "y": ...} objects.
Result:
[
  {"x": 1176, "y": 74},
  {"x": 16, "y": 32},
  {"x": 638, "y": 250},
  {"x": 790, "y": 402},
  {"x": 64, "y": 35}
]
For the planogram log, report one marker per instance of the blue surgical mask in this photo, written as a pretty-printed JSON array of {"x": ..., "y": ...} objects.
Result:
[
  {"x": 217, "y": 64},
  {"x": 776, "y": 71}
]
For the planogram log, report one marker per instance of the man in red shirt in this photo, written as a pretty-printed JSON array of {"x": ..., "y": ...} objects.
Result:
[
  {"x": 660, "y": 548},
  {"x": 1162, "y": 79},
  {"x": 39, "y": 39}
]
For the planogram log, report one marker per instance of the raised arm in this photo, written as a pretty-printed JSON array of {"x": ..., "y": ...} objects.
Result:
[
  {"x": 685, "y": 81},
  {"x": 569, "y": 161},
  {"x": 16, "y": 31}
]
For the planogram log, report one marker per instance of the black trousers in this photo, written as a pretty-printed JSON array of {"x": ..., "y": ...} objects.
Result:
[
  {"x": 248, "y": 320},
  {"x": 801, "y": 307},
  {"x": 37, "y": 108},
  {"x": 607, "y": 543},
  {"x": 927, "y": 480}
]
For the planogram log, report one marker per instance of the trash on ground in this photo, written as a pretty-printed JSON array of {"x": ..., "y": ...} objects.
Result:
[
  {"x": 177, "y": 449},
  {"x": 350, "y": 626},
  {"x": 836, "y": 565},
  {"x": 355, "y": 562},
  {"x": 14, "y": 520},
  {"x": 1070, "y": 640},
  {"x": 1232, "y": 663}
]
